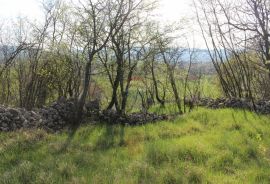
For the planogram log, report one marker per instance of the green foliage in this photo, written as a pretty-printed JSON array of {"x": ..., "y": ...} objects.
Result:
[{"x": 205, "y": 146}]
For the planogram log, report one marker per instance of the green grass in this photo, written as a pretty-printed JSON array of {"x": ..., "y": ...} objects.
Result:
[{"x": 205, "y": 146}]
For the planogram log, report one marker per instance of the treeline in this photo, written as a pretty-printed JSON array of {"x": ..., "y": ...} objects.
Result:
[
  {"x": 63, "y": 55},
  {"x": 118, "y": 40},
  {"x": 237, "y": 36}
]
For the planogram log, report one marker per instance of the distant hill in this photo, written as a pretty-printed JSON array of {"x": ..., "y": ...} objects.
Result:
[
  {"x": 200, "y": 55},
  {"x": 201, "y": 62}
]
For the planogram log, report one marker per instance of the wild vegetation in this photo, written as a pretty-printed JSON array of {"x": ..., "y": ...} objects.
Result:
[
  {"x": 205, "y": 146},
  {"x": 84, "y": 90},
  {"x": 111, "y": 51}
]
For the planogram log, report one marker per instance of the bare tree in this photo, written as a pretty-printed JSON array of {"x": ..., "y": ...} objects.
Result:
[
  {"x": 171, "y": 57},
  {"x": 229, "y": 45},
  {"x": 190, "y": 102},
  {"x": 99, "y": 21},
  {"x": 128, "y": 48}
]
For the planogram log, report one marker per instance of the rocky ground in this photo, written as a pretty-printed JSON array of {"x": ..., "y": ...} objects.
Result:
[
  {"x": 261, "y": 107},
  {"x": 60, "y": 115},
  {"x": 52, "y": 118},
  {"x": 131, "y": 119}
]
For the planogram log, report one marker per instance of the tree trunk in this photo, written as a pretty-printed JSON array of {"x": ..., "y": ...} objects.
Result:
[
  {"x": 87, "y": 79},
  {"x": 175, "y": 92},
  {"x": 160, "y": 101},
  {"x": 115, "y": 86}
]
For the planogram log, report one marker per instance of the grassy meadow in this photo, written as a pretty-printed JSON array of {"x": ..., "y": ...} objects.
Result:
[{"x": 204, "y": 146}]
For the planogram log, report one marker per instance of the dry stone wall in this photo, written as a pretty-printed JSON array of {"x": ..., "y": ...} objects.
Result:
[
  {"x": 261, "y": 106},
  {"x": 52, "y": 118},
  {"x": 61, "y": 113}
]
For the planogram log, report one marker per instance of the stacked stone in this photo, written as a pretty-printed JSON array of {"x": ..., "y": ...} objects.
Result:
[
  {"x": 112, "y": 117},
  {"x": 13, "y": 119},
  {"x": 65, "y": 109},
  {"x": 262, "y": 106},
  {"x": 53, "y": 118}
]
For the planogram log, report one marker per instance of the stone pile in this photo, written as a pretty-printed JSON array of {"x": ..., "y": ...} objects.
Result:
[
  {"x": 13, "y": 119},
  {"x": 112, "y": 117},
  {"x": 61, "y": 114},
  {"x": 58, "y": 115},
  {"x": 262, "y": 106},
  {"x": 52, "y": 118}
]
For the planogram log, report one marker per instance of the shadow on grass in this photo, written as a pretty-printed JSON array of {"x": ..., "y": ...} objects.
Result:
[
  {"x": 71, "y": 133},
  {"x": 122, "y": 135},
  {"x": 252, "y": 153},
  {"x": 255, "y": 116},
  {"x": 112, "y": 137}
]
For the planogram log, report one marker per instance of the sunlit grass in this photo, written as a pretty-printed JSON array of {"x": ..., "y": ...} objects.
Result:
[{"x": 205, "y": 146}]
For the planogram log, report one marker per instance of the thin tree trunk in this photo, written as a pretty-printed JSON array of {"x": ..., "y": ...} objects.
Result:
[
  {"x": 160, "y": 101},
  {"x": 86, "y": 85}
]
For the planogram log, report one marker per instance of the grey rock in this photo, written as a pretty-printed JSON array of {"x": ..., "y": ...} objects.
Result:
[{"x": 14, "y": 112}]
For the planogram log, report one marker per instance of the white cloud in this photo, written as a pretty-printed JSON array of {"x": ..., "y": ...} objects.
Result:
[
  {"x": 10, "y": 9},
  {"x": 173, "y": 10},
  {"x": 168, "y": 11}
]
